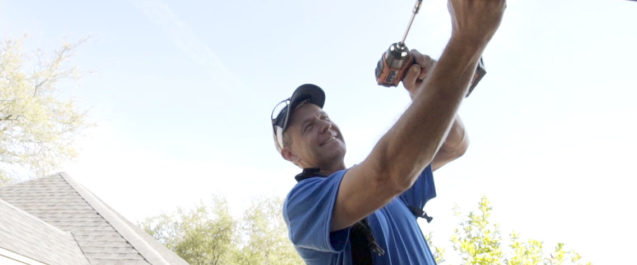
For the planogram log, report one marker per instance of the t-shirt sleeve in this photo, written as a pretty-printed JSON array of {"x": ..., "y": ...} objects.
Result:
[
  {"x": 422, "y": 191},
  {"x": 308, "y": 212}
]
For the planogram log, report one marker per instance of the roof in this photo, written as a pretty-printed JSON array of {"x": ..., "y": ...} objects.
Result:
[
  {"x": 103, "y": 235},
  {"x": 28, "y": 236}
]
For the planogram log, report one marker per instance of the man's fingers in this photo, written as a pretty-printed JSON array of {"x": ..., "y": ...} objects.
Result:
[
  {"x": 420, "y": 58},
  {"x": 424, "y": 61},
  {"x": 423, "y": 73},
  {"x": 410, "y": 79}
]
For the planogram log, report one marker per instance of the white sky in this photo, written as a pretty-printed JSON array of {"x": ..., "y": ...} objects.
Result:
[{"x": 181, "y": 92}]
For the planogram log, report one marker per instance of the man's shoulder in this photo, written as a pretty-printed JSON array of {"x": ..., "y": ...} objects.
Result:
[{"x": 309, "y": 190}]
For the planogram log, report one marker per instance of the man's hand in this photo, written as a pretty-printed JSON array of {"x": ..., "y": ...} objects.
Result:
[
  {"x": 417, "y": 72},
  {"x": 475, "y": 20}
]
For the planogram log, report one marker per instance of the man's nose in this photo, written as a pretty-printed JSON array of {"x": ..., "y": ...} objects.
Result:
[{"x": 325, "y": 125}]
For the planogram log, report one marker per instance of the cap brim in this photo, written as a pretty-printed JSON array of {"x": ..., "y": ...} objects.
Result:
[{"x": 310, "y": 92}]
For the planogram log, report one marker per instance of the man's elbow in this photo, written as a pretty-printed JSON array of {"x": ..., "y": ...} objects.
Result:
[
  {"x": 461, "y": 148},
  {"x": 453, "y": 150},
  {"x": 393, "y": 180},
  {"x": 448, "y": 153}
]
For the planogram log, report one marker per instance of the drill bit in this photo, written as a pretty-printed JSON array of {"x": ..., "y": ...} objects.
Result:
[{"x": 413, "y": 15}]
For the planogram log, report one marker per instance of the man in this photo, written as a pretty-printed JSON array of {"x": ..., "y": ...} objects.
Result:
[{"x": 366, "y": 214}]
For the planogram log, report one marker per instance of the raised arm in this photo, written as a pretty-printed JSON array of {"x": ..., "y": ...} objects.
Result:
[
  {"x": 456, "y": 142},
  {"x": 411, "y": 144}
]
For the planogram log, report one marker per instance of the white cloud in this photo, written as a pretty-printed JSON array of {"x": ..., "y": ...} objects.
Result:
[{"x": 187, "y": 41}]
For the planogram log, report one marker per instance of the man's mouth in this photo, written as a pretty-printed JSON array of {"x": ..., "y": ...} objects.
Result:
[{"x": 328, "y": 140}]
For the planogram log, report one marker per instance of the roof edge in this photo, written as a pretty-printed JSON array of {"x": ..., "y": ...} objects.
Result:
[
  {"x": 118, "y": 222},
  {"x": 18, "y": 257}
]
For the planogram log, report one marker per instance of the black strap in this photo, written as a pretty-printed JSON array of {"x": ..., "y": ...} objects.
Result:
[
  {"x": 363, "y": 243},
  {"x": 309, "y": 173},
  {"x": 418, "y": 212}
]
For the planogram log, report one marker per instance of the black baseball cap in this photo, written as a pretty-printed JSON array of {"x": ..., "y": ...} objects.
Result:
[{"x": 284, "y": 109}]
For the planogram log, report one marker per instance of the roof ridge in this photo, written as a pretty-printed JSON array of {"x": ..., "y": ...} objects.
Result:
[{"x": 143, "y": 248}]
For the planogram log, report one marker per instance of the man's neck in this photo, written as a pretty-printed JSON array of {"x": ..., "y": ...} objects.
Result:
[{"x": 326, "y": 171}]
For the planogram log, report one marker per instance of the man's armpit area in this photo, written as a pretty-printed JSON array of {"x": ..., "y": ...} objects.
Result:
[{"x": 339, "y": 239}]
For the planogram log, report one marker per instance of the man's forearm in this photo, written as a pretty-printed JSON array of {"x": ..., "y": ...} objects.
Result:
[{"x": 413, "y": 141}]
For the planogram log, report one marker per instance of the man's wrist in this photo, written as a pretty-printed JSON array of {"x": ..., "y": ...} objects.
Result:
[{"x": 469, "y": 42}]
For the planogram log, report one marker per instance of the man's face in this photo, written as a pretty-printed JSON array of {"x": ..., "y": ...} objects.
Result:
[{"x": 316, "y": 142}]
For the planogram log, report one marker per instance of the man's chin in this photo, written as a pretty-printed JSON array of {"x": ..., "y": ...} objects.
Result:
[{"x": 335, "y": 154}]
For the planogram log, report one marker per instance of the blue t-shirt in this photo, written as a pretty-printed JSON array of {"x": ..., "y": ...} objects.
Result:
[{"x": 308, "y": 212}]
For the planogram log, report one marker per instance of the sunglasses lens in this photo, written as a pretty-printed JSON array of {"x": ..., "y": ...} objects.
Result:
[{"x": 277, "y": 118}]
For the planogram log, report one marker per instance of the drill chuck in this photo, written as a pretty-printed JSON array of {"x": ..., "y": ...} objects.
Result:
[{"x": 393, "y": 64}]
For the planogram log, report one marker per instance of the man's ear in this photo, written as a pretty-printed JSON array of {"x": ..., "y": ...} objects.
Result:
[{"x": 288, "y": 155}]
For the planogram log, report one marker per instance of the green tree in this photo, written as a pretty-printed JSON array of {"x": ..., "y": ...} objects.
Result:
[
  {"x": 266, "y": 236},
  {"x": 525, "y": 253},
  {"x": 438, "y": 252},
  {"x": 209, "y": 234},
  {"x": 37, "y": 128},
  {"x": 477, "y": 241},
  {"x": 205, "y": 235}
]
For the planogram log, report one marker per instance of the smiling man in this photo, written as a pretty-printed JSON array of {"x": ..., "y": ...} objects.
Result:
[{"x": 366, "y": 214}]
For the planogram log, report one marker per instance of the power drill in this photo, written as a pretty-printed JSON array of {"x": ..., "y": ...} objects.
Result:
[{"x": 392, "y": 66}]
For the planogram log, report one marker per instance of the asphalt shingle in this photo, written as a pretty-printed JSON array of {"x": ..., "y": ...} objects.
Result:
[
  {"x": 104, "y": 236},
  {"x": 28, "y": 236}
]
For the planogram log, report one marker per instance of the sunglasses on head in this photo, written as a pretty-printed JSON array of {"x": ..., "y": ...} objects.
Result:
[{"x": 280, "y": 117}]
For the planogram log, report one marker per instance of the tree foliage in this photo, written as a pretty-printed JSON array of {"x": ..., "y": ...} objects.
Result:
[
  {"x": 202, "y": 235},
  {"x": 266, "y": 236},
  {"x": 477, "y": 241},
  {"x": 36, "y": 127},
  {"x": 208, "y": 234}
]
